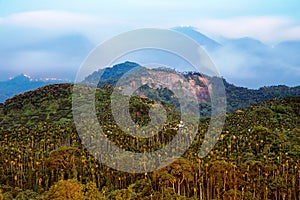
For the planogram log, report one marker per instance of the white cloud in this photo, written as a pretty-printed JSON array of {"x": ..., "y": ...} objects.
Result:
[
  {"x": 52, "y": 19},
  {"x": 292, "y": 33},
  {"x": 269, "y": 29},
  {"x": 54, "y": 22}
]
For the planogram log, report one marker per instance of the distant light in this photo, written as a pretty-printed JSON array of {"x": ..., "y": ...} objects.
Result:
[{"x": 185, "y": 26}]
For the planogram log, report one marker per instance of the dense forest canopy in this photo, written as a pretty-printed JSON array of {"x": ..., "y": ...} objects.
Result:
[{"x": 42, "y": 156}]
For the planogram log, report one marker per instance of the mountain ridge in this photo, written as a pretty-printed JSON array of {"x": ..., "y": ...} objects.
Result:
[
  {"x": 237, "y": 97},
  {"x": 23, "y": 83},
  {"x": 249, "y": 62}
]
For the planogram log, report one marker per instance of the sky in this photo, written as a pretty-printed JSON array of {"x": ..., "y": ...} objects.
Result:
[{"x": 51, "y": 38}]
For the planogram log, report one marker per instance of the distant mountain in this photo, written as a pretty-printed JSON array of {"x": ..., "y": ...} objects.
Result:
[
  {"x": 23, "y": 83},
  {"x": 237, "y": 97},
  {"x": 60, "y": 55},
  {"x": 249, "y": 62},
  {"x": 170, "y": 59},
  {"x": 243, "y": 61},
  {"x": 246, "y": 61},
  {"x": 289, "y": 50},
  {"x": 289, "y": 45},
  {"x": 247, "y": 44},
  {"x": 200, "y": 38}
]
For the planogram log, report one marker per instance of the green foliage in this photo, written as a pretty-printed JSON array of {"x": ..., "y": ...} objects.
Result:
[
  {"x": 257, "y": 152},
  {"x": 27, "y": 195},
  {"x": 51, "y": 103},
  {"x": 7, "y": 196},
  {"x": 92, "y": 192}
]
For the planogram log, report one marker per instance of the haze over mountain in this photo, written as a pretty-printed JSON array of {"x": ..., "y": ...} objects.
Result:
[
  {"x": 200, "y": 38},
  {"x": 249, "y": 62},
  {"x": 23, "y": 83},
  {"x": 245, "y": 61},
  {"x": 58, "y": 56}
]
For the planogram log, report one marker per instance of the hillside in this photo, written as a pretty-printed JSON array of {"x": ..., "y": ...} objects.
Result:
[
  {"x": 53, "y": 104},
  {"x": 256, "y": 155},
  {"x": 48, "y": 103},
  {"x": 237, "y": 97}
]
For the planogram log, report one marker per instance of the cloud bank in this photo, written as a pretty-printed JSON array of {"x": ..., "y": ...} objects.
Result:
[{"x": 42, "y": 41}]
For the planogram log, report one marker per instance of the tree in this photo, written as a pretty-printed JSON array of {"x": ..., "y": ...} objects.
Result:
[
  {"x": 92, "y": 192},
  {"x": 65, "y": 158},
  {"x": 124, "y": 194},
  {"x": 179, "y": 175},
  {"x": 232, "y": 195},
  {"x": 66, "y": 190}
]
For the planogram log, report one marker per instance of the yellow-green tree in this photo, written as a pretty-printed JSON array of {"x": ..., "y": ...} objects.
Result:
[
  {"x": 65, "y": 190},
  {"x": 92, "y": 192}
]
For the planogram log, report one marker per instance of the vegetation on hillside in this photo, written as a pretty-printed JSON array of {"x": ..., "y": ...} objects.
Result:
[{"x": 42, "y": 156}]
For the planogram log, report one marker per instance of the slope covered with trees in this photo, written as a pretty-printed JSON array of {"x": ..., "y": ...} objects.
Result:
[{"x": 42, "y": 156}]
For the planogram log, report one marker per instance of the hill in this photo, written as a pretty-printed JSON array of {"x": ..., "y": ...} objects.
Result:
[
  {"x": 236, "y": 97},
  {"x": 257, "y": 153}
]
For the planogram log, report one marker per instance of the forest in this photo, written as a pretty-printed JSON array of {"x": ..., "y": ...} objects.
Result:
[{"x": 42, "y": 156}]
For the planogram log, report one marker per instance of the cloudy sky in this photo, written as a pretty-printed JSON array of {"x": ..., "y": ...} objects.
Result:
[{"x": 52, "y": 37}]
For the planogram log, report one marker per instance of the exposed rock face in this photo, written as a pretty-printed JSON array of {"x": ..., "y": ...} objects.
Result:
[
  {"x": 193, "y": 83},
  {"x": 132, "y": 76},
  {"x": 184, "y": 86}
]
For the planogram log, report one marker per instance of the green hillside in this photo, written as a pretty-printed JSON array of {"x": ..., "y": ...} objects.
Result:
[
  {"x": 237, "y": 97},
  {"x": 42, "y": 156}
]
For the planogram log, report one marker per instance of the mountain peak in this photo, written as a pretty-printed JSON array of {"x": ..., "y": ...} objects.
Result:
[
  {"x": 21, "y": 77},
  {"x": 200, "y": 38}
]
